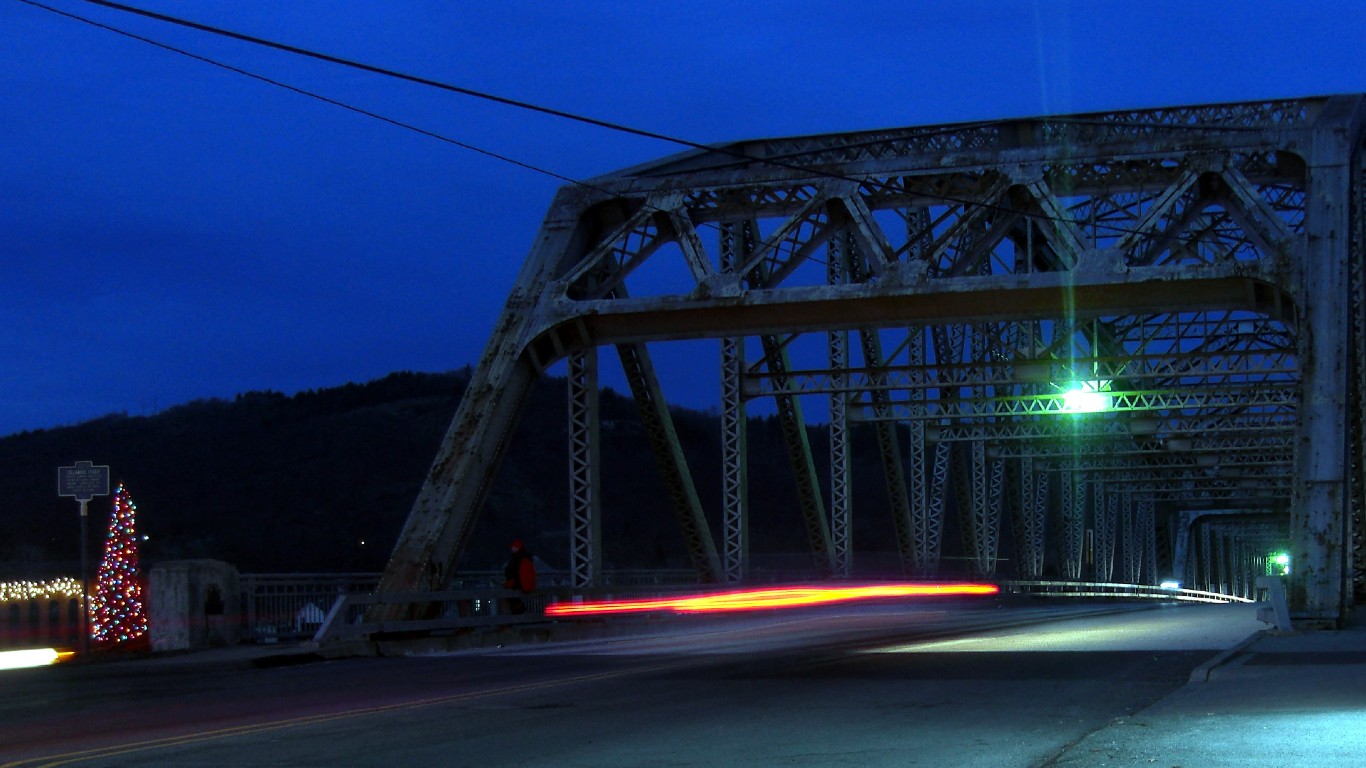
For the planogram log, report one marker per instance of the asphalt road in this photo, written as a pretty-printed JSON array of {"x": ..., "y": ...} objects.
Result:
[{"x": 937, "y": 684}]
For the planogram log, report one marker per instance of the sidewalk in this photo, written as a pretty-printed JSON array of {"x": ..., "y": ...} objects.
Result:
[{"x": 1280, "y": 699}]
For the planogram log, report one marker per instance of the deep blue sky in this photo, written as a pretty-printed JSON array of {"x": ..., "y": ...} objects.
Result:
[{"x": 172, "y": 231}]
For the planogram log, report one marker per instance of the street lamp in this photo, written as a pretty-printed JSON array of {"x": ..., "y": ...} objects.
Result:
[
  {"x": 1086, "y": 397},
  {"x": 1281, "y": 564}
]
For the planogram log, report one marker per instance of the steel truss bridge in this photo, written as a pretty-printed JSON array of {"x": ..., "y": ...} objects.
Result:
[{"x": 1197, "y": 270}]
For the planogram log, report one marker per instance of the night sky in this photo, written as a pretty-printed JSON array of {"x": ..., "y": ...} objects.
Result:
[{"x": 171, "y": 230}]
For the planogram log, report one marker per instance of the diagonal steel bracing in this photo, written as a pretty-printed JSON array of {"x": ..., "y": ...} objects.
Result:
[
  {"x": 793, "y": 427},
  {"x": 678, "y": 484},
  {"x": 1201, "y": 261}
]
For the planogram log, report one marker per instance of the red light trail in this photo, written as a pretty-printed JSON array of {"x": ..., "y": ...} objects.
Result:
[{"x": 766, "y": 599}]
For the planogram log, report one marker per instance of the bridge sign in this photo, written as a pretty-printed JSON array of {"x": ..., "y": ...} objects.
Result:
[{"x": 85, "y": 481}]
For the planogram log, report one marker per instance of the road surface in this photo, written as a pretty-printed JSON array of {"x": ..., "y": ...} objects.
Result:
[{"x": 926, "y": 684}]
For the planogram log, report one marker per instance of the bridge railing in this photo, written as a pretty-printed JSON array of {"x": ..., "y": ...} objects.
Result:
[
  {"x": 1111, "y": 589},
  {"x": 459, "y": 609},
  {"x": 282, "y": 607},
  {"x": 325, "y": 607},
  {"x": 292, "y": 607}
]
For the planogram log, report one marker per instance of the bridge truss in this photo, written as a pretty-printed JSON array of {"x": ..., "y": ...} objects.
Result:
[{"x": 1197, "y": 269}]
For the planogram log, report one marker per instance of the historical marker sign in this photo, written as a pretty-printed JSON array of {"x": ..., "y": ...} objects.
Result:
[{"x": 85, "y": 481}]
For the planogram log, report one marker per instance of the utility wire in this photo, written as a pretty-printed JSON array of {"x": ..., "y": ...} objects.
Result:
[
  {"x": 308, "y": 93},
  {"x": 516, "y": 103},
  {"x": 722, "y": 150},
  {"x": 394, "y": 74},
  {"x": 350, "y": 107}
]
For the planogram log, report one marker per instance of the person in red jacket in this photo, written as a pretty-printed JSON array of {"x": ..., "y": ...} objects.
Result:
[{"x": 519, "y": 574}]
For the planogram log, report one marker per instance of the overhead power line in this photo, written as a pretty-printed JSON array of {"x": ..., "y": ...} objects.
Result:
[
  {"x": 332, "y": 101},
  {"x": 308, "y": 93},
  {"x": 516, "y": 103},
  {"x": 395, "y": 74}
]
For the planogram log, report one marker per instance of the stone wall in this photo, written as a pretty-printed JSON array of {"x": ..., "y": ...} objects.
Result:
[{"x": 193, "y": 604}]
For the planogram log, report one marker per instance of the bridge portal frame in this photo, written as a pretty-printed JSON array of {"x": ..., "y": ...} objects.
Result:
[{"x": 1008, "y": 245}]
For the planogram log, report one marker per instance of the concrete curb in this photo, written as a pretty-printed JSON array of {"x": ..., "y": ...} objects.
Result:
[{"x": 1201, "y": 674}]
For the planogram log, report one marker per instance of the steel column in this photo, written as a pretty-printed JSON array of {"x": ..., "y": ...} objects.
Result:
[
  {"x": 734, "y": 440},
  {"x": 841, "y": 499},
  {"x": 1106, "y": 511},
  {"x": 1072, "y": 524},
  {"x": 1129, "y": 539},
  {"x": 1319, "y": 515},
  {"x": 585, "y": 471},
  {"x": 1147, "y": 527}
]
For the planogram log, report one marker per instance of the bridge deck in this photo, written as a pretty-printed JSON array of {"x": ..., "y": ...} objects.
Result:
[{"x": 934, "y": 684}]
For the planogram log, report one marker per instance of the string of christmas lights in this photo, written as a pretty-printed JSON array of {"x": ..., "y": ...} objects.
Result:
[
  {"x": 56, "y": 589},
  {"x": 117, "y": 613}
]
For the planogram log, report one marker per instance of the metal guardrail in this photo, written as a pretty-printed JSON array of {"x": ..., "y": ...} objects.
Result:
[
  {"x": 448, "y": 610},
  {"x": 333, "y": 607},
  {"x": 293, "y": 607},
  {"x": 1111, "y": 589},
  {"x": 465, "y": 609},
  {"x": 284, "y": 607}
]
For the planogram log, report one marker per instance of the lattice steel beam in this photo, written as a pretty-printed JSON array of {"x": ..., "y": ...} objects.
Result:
[
  {"x": 1106, "y": 517},
  {"x": 929, "y": 469},
  {"x": 1193, "y": 399},
  {"x": 1191, "y": 430},
  {"x": 585, "y": 471},
  {"x": 734, "y": 444},
  {"x": 1200, "y": 258},
  {"x": 1073, "y": 509},
  {"x": 1189, "y": 367},
  {"x": 841, "y": 493},
  {"x": 1031, "y": 507},
  {"x": 1147, "y": 531}
]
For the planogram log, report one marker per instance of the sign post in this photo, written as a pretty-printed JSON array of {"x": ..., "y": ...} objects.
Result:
[{"x": 84, "y": 481}]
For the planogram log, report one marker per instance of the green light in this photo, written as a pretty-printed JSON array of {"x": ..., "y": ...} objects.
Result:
[
  {"x": 1279, "y": 564},
  {"x": 1086, "y": 397}
]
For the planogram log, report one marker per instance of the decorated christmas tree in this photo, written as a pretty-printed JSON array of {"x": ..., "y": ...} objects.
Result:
[{"x": 117, "y": 614}]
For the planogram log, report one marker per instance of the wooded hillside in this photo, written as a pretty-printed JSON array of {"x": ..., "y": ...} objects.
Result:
[{"x": 322, "y": 481}]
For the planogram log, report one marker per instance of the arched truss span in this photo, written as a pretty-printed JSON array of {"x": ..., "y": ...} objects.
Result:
[{"x": 1197, "y": 268}]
